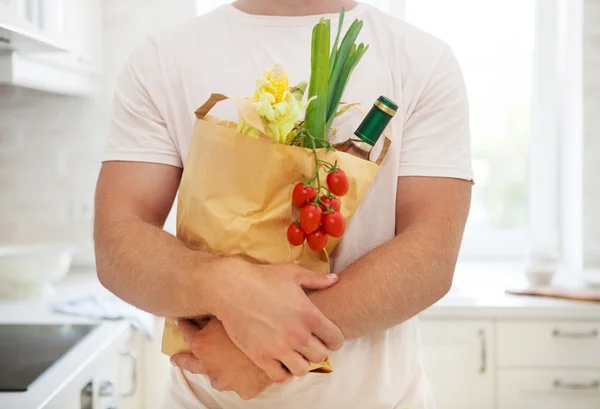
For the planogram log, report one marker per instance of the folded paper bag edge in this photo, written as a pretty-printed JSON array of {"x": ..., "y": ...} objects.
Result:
[{"x": 244, "y": 106}]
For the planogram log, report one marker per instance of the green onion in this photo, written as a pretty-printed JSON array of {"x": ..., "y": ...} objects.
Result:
[
  {"x": 354, "y": 57},
  {"x": 341, "y": 56},
  {"x": 316, "y": 113},
  {"x": 330, "y": 74},
  {"x": 334, "y": 50}
]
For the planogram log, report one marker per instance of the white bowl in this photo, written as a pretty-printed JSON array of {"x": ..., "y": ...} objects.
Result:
[
  {"x": 591, "y": 278},
  {"x": 539, "y": 277},
  {"x": 31, "y": 269}
]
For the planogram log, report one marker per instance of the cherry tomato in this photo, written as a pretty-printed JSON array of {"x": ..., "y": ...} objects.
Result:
[
  {"x": 330, "y": 203},
  {"x": 311, "y": 194},
  {"x": 334, "y": 224},
  {"x": 303, "y": 194},
  {"x": 295, "y": 234},
  {"x": 337, "y": 182},
  {"x": 317, "y": 240},
  {"x": 310, "y": 218}
]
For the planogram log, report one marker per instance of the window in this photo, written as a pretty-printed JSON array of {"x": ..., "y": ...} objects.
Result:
[
  {"x": 497, "y": 63},
  {"x": 510, "y": 55}
]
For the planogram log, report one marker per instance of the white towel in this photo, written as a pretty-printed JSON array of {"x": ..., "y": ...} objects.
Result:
[{"x": 108, "y": 307}]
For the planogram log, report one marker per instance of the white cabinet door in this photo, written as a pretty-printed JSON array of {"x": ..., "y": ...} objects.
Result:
[
  {"x": 83, "y": 30},
  {"x": 548, "y": 389},
  {"x": 130, "y": 373},
  {"x": 156, "y": 369},
  {"x": 458, "y": 358}
]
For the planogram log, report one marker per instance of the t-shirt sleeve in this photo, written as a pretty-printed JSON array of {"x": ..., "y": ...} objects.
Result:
[
  {"x": 139, "y": 131},
  {"x": 436, "y": 138}
]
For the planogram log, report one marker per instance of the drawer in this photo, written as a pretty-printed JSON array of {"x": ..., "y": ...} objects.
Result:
[
  {"x": 568, "y": 344},
  {"x": 548, "y": 389}
]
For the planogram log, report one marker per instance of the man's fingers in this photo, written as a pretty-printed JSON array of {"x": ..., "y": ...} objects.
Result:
[
  {"x": 315, "y": 351},
  {"x": 296, "y": 364},
  {"x": 188, "y": 329},
  {"x": 314, "y": 281},
  {"x": 275, "y": 371},
  {"x": 188, "y": 362},
  {"x": 330, "y": 335}
]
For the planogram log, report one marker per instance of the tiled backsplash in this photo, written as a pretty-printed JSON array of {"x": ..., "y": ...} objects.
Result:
[{"x": 50, "y": 151}]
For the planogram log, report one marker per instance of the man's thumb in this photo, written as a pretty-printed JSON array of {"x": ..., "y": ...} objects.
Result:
[
  {"x": 314, "y": 281},
  {"x": 188, "y": 362}
]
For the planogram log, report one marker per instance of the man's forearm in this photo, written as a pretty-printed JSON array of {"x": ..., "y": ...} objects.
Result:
[
  {"x": 388, "y": 285},
  {"x": 151, "y": 269}
]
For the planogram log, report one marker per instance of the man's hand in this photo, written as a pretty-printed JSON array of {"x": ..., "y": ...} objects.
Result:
[
  {"x": 213, "y": 354},
  {"x": 267, "y": 314}
]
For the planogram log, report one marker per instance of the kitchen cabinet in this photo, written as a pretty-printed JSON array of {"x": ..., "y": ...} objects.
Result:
[
  {"x": 548, "y": 389},
  {"x": 130, "y": 394},
  {"x": 458, "y": 359},
  {"x": 73, "y": 27},
  {"x": 77, "y": 25},
  {"x": 548, "y": 364},
  {"x": 108, "y": 381},
  {"x": 83, "y": 31},
  {"x": 513, "y": 363}
]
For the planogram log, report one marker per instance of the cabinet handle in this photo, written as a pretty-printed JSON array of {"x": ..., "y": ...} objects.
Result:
[
  {"x": 558, "y": 384},
  {"x": 482, "y": 340},
  {"x": 133, "y": 358},
  {"x": 574, "y": 335},
  {"x": 107, "y": 388}
]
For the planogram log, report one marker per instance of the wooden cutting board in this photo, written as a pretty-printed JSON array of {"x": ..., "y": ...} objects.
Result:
[{"x": 578, "y": 294}]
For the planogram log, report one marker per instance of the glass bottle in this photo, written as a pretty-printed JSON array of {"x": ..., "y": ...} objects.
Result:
[{"x": 370, "y": 130}]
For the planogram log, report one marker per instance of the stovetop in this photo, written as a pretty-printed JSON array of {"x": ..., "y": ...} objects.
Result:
[{"x": 27, "y": 351}]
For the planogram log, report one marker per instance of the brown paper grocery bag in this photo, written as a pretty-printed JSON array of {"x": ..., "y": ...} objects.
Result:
[{"x": 235, "y": 197}]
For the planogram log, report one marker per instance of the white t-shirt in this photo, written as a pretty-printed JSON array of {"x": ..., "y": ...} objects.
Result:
[{"x": 173, "y": 73}]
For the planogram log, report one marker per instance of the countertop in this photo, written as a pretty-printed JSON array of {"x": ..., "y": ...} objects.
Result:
[
  {"x": 37, "y": 311},
  {"x": 479, "y": 293}
]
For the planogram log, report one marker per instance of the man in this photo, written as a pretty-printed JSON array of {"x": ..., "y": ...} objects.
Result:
[{"x": 396, "y": 259}]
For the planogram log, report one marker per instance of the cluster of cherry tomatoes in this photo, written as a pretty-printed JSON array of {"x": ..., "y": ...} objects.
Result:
[{"x": 320, "y": 215}]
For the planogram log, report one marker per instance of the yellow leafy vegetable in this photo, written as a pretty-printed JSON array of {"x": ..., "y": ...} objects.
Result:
[{"x": 279, "y": 109}]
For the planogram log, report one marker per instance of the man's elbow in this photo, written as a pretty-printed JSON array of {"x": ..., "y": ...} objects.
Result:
[
  {"x": 103, "y": 271},
  {"x": 103, "y": 276},
  {"x": 443, "y": 283}
]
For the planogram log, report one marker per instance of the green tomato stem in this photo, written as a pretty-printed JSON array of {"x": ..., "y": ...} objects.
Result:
[{"x": 314, "y": 149}]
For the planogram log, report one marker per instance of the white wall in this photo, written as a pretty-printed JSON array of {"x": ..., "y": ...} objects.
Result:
[{"x": 591, "y": 151}]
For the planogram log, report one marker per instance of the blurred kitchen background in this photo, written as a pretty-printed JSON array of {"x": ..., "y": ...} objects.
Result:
[{"x": 532, "y": 69}]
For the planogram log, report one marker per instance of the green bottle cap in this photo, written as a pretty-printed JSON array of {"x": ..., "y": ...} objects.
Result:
[
  {"x": 388, "y": 103},
  {"x": 378, "y": 118}
]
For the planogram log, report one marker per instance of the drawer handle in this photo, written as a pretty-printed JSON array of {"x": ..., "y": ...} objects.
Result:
[
  {"x": 558, "y": 384},
  {"x": 574, "y": 335},
  {"x": 134, "y": 375},
  {"x": 482, "y": 340}
]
